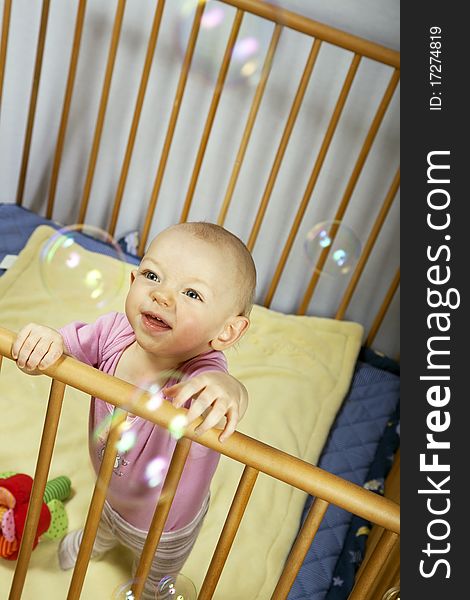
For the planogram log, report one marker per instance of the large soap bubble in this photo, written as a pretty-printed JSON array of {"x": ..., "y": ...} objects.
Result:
[
  {"x": 341, "y": 243},
  {"x": 179, "y": 588},
  {"x": 69, "y": 271},
  {"x": 248, "y": 52}
]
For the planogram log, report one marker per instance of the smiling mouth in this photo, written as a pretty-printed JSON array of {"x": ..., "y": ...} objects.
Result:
[{"x": 154, "y": 322}]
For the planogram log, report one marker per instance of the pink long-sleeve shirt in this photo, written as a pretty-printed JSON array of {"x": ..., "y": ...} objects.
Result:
[{"x": 145, "y": 450}]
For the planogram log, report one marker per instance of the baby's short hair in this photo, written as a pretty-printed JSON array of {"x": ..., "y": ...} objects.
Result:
[{"x": 219, "y": 236}]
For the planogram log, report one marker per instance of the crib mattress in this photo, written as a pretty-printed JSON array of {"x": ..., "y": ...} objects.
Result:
[{"x": 349, "y": 451}]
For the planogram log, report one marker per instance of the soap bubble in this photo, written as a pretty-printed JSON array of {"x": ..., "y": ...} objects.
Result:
[
  {"x": 179, "y": 588},
  {"x": 156, "y": 391},
  {"x": 124, "y": 591},
  {"x": 155, "y": 471},
  {"x": 177, "y": 426},
  {"x": 140, "y": 397},
  {"x": 156, "y": 397},
  {"x": 149, "y": 396},
  {"x": 69, "y": 272},
  {"x": 248, "y": 52},
  {"x": 179, "y": 423},
  {"x": 127, "y": 436},
  {"x": 392, "y": 594},
  {"x": 342, "y": 244},
  {"x": 127, "y": 440},
  {"x": 102, "y": 429}
]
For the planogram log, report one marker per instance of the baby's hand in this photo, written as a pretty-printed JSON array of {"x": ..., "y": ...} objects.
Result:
[
  {"x": 36, "y": 348},
  {"x": 216, "y": 395}
]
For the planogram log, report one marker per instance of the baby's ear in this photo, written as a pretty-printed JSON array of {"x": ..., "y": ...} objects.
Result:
[
  {"x": 233, "y": 330},
  {"x": 133, "y": 275}
]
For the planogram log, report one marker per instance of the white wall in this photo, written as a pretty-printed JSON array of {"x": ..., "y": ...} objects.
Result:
[{"x": 376, "y": 20}]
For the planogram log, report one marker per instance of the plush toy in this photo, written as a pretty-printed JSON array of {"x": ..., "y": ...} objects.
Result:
[{"x": 15, "y": 491}]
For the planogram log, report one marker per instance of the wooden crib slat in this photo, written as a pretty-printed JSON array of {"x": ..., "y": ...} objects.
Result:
[
  {"x": 96, "y": 504},
  {"x": 102, "y": 109},
  {"x": 49, "y": 432},
  {"x": 66, "y": 106},
  {"x": 379, "y": 115},
  {"x": 368, "y": 246},
  {"x": 219, "y": 86},
  {"x": 152, "y": 43},
  {"x": 313, "y": 177},
  {"x": 4, "y": 43},
  {"x": 383, "y": 309},
  {"x": 371, "y": 571},
  {"x": 260, "y": 88},
  {"x": 267, "y": 10},
  {"x": 172, "y": 479},
  {"x": 33, "y": 101},
  {"x": 229, "y": 531},
  {"x": 389, "y": 576},
  {"x": 188, "y": 57},
  {"x": 302, "y": 544},
  {"x": 299, "y": 96}
]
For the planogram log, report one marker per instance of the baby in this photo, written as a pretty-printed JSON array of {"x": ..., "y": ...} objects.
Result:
[{"x": 188, "y": 301}]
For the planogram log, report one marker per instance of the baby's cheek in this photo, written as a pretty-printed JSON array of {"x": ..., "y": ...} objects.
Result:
[{"x": 194, "y": 330}]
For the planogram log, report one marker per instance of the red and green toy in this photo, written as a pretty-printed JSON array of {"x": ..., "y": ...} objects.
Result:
[{"x": 15, "y": 491}]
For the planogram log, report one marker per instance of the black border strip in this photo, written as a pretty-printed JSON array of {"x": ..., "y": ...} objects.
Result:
[{"x": 434, "y": 128}]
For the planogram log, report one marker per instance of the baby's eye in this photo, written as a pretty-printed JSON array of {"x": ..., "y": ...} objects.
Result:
[
  {"x": 193, "y": 294},
  {"x": 152, "y": 276}
]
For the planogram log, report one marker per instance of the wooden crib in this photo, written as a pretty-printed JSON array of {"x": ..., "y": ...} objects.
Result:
[{"x": 380, "y": 569}]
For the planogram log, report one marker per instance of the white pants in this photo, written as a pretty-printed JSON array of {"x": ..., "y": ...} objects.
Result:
[{"x": 172, "y": 551}]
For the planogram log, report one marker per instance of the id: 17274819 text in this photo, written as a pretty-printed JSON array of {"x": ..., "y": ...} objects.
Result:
[{"x": 435, "y": 67}]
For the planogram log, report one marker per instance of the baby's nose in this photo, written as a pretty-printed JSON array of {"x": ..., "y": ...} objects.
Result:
[{"x": 163, "y": 297}]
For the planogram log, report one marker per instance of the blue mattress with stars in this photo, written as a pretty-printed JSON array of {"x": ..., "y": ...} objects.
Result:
[{"x": 360, "y": 448}]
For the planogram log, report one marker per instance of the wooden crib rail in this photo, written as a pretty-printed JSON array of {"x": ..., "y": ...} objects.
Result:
[
  {"x": 256, "y": 455},
  {"x": 244, "y": 449},
  {"x": 319, "y": 30}
]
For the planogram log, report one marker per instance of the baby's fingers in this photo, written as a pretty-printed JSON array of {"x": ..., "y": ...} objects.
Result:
[
  {"x": 20, "y": 340},
  {"x": 29, "y": 354},
  {"x": 180, "y": 393},
  {"x": 37, "y": 355},
  {"x": 52, "y": 355},
  {"x": 212, "y": 418},
  {"x": 230, "y": 426},
  {"x": 200, "y": 404}
]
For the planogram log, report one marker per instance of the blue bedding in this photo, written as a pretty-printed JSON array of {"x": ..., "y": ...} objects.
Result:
[
  {"x": 354, "y": 546},
  {"x": 354, "y": 450},
  {"x": 359, "y": 448}
]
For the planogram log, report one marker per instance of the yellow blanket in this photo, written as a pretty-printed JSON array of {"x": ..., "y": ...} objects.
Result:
[{"x": 297, "y": 371}]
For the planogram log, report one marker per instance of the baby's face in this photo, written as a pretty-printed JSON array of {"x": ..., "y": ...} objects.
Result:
[{"x": 182, "y": 294}]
